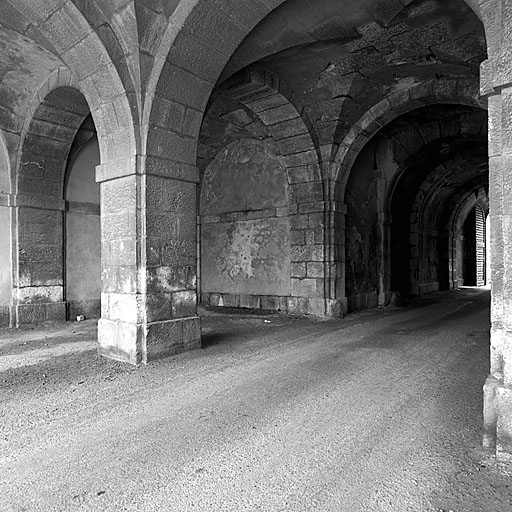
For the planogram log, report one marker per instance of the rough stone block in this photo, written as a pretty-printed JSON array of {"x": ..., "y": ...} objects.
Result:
[
  {"x": 299, "y": 222},
  {"x": 297, "y": 305},
  {"x": 297, "y": 237},
  {"x": 120, "y": 341},
  {"x": 316, "y": 307},
  {"x": 40, "y": 312},
  {"x": 5, "y": 316},
  {"x": 250, "y": 301},
  {"x": 274, "y": 303},
  {"x": 278, "y": 114},
  {"x": 191, "y": 333},
  {"x": 167, "y": 338},
  {"x": 295, "y": 144},
  {"x": 298, "y": 270},
  {"x": 188, "y": 89},
  {"x": 158, "y": 307},
  {"x": 121, "y": 307},
  {"x": 290, "y": 128},
  {"x": 305, "y": 158},
  {"x": 184, "y": 304},
  {"x": 307, "y": 287},
  {"x": 214, "y": 299},
  {"x": 315, "y": 269},
  {"x": 307, "y": 253},
  {"x": 504, "y": 423}
]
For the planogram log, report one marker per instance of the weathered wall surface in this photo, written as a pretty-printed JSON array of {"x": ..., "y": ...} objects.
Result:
[
  {"x": 365, "y": 273},
  {"x": 83, "y": 235},
  {"x": 245, "y": 233}
]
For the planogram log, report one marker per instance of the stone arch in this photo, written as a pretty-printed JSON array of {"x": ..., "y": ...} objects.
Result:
[
  {"x": 457, "y": 91},
  {"x": 437, "y": 200},
  {"x": 212, "y": 43},
  {"x": 62, "y": 27},
  {"x": 185, "y": 30},
  {"x": 274, "y": 103},
  {"x": 44, "y": 149},
  {"x": 267, "y": 97}
]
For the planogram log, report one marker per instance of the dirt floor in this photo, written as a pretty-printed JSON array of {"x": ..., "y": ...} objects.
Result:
[{"x": 380, "y": 411}]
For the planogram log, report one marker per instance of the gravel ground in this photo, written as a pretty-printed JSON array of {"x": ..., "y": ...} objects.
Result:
[{"x": 380, "y": 411}]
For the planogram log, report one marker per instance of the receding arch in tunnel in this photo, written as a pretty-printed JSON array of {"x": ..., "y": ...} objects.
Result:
[
  {"x": 401, "y": 195},
  {"x": 426, "y": 193}
]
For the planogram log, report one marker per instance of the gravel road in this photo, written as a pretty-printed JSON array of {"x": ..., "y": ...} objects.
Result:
[{"x": 380, "y": 411}]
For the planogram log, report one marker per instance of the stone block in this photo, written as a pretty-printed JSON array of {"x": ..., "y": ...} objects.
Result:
[
  {"x": 299, "y": 222},
  {"x": 5, "y": 316},
  {"x": 158, "y": 307},
  {"x": 163, "y": 339},
  {"x": 307, "y": 253},
  {"x": 306, "y": 158},
  {"x": 184, "y": 304},
  {"x": 170, "y": 279},
  {"x": 40, "y": 294},
  {"x": 278, "y": 114},
  {"x": 296, "y": 144},
  {"x": 310, "y": 236},
  {"x": 297, "y": 305},
  {"x": 250, "y": 301},
  {"x": 40, "y": 312},
  {"x": 229, "y": 300},
  {"x": 191, "y": 54},
  {"x": 261, "y": 214},
  {"x": 267, "y": 103},
  {"x": 169, "y": 168},
  {"x": 274, "y": 303},
  {"x": 290, "y": 128},
  {"x": 120, "y": 341},
  {"x": 307, "y": 192},
  {"x": 315, "y": 269},
  {"x": 504, "y": 423},
  {"x": 298, "y": 270},
  {"x": 165, "y": 143},
  {"x": 188, "y": 89},
  {"x": 297, "y": 237},
  {"x": 191, "y": 333},
  {"x": 214, "y": 299},
  {"x": 167, "y": 112},
  {"x": 312, "y": 288},
  {"x": 316, "y": 307},
  {"x": 179, "y": 252},
  {"x": 192, "y": 122},
  {"x": 121, "y": 307}
]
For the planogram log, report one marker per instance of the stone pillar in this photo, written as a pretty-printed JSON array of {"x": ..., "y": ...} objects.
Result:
[
  {"x": 336, "y": 258},
  {"x": 7, "y": 316},
  {"x": 148, "y": 263},
  {"x": 498, "y": 386},
  {"x": 38, "y": 285},
  {"x": 384, "y": 245}
]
